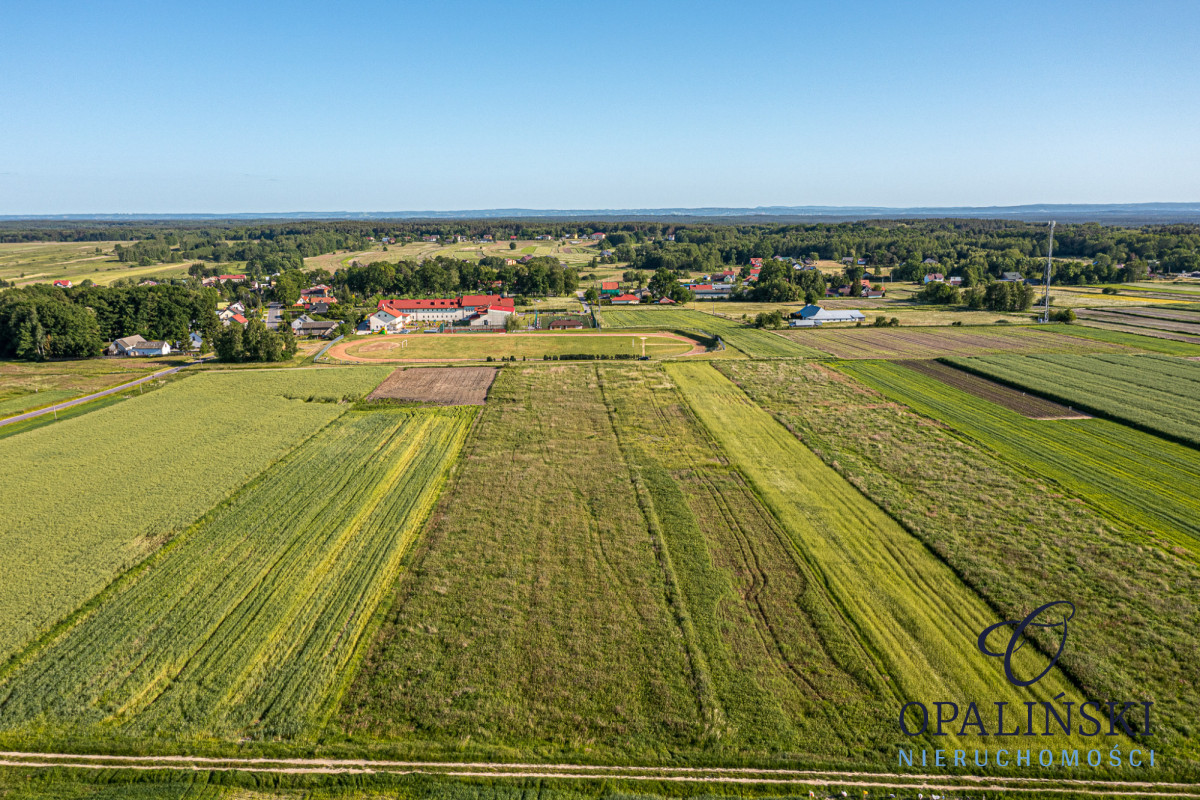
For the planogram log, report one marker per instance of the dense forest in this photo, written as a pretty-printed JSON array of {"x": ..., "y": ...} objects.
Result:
[{"x": 39, "y": 321}]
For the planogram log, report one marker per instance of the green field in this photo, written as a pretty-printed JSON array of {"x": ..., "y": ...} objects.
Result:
[
  {"x": 535, "y": 617},
  {"x": 1154, "y": 393},
  {"x": 100, "y": 491},
  {"x": 14, "y": 403},
  {"x": 753, "y": 342},
  {"x": 245, "y": 625},
  {"x": 1138, "y": 479},
  {"x": 1150, "y": 344},
  {"x": 979, "y": 511},
  {"x": 478, "y": 346},
  {"x": 890, "y": 588},
  {"x": 871, "y": 342},
  {"x": 43, "y": 262}
]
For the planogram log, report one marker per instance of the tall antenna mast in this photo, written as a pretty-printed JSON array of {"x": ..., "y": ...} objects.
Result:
[{"x": 1046, "y": 296}]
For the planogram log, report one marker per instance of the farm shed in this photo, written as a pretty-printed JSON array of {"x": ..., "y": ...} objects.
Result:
[{"x": 819, "y": 315}]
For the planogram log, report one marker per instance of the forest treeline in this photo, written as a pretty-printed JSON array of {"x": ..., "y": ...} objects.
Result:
[{"x": 970, "y": 247}]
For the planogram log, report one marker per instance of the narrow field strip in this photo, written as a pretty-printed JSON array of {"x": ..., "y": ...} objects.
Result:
[
  {"x": 1137, "y": 478},
  {"x": 943, "y": 341},
  {"x": 1153, "y": 393},
  {"x": 917, "y": 618},
  {"x": 1027, "y": 405},
  {"x": 243, "y": 626}
]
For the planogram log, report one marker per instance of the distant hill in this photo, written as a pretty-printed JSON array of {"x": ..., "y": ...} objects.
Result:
[{"x": 1114, "y": 213}]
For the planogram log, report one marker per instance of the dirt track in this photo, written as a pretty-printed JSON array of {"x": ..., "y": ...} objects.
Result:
[{"x": 737, "y": 775}]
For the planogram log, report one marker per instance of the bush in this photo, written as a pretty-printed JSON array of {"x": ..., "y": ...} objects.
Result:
[
  {"x": 1062, "y": 315},
  {"x": 1110, "y": 290}
]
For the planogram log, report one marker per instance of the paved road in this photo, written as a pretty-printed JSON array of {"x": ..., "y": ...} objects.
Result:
[
  {"x": 274, "y": 315},
  {"x": 68, "y": 403}
]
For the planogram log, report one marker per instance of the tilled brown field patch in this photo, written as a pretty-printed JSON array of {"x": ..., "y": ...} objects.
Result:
[
  {"x": 444, "y": 386},
  {"x": 1027, "y": 405}
]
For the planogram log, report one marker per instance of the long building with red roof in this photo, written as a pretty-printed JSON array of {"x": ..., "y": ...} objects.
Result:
[{"x": 482, "y": 310}]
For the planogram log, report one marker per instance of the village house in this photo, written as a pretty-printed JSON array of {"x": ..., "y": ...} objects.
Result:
[
  {"x": 62, "y": 284},
  {"x": 322, "y": 328},
  {"x": 136, "y": 346},
  {"x": 610, "y": 288},
  {"x": 387, "y": 321},
  {"x": 934, "y": 277},
  {"x": 625, "y": 300},
  {"x": 562, "y": 324}
]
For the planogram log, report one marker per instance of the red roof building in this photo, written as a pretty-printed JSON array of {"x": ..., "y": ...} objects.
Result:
[
  {"x": 624, "y": 299},
  {"x": 63, "y": 284}
]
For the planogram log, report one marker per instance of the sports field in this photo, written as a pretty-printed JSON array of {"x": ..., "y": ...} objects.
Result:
[
  {"x": 99, "y": 492},
  {"x": 751, "y": 341},
  {"x": 478, "y": 346}
]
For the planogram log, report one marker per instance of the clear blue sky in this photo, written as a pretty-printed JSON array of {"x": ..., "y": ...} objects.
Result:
[{"x": 308, "y": 106}]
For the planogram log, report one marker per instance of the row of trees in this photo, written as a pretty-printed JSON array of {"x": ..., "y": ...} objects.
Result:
[
  {"x": 1010, "y": 296},
  {"x": 254, "y": 341},
  {"x": 442, "y": 276}
]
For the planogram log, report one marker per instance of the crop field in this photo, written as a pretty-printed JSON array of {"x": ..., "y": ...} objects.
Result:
[
  {"x": 244, "y": 625},
  {"x": 1142, "y": 480},
  {"x": 1027, "y": 405},
  {"x": 1107, "y": 324},
  {"x": 1183, "y": 324},
  {"x": 753, "y": 342},
  {"x": 978, "y": 511},
  {"x": 535, "y": 613},
  {"x": 869, "y": 342},
  {"x": 891, "y": 589},
  {"x": 100, "y": 491},
  {"x": 1138, "y": 339},
  {"x": 447, "y": 386},
  {"x": 1154, "y": 393},
  {"x": 478, "y": 346}
]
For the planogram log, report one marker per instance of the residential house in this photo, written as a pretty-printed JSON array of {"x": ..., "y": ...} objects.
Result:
[
  {"x": 610, "y": 288},
  {"x": 195, "y": 340},
  {"x": 62, "y": 284},
  {"x": 387, "y": 321},
  {"x": 319, "y": 308},
  {"x": 150, "y": 348},
  {"x": 321, "y": 328},
  {"x": 934, "y": 277},
  {"x": 597, "y": 236},
  {"x": 756, "y": 262},
  {"x": 625, "y": 300},
  {"x": 954, "y": 281},
  {"x": 930, "y": 261},
  {"x": 562, "y": 324},
  {"x": 711, "y": 291},
  {"x": 124, "y": 346},
  {"x": 1011, "y": 277},
  {"x": 300, "y": 320}
]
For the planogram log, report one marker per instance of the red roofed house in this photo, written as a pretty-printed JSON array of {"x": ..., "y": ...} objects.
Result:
[
  {"x": 756, "y": 262},
  {"x": 665, "y": 301},
  {"x": 934, "y": 277},
  {"x": 624, "y": 300},
  {"x": 63, "y": 284},
  {"x": 231, "y": 278},
  {"x": 611, "y": 288}
]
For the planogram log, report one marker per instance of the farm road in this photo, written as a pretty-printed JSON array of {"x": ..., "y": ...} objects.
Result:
[
  {"x": 87, "y": 398},
  {"x": 826, "y": 780}
]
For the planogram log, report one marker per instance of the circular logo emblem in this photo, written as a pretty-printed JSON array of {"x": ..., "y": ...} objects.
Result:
[{"x": 1054, "y": 615}]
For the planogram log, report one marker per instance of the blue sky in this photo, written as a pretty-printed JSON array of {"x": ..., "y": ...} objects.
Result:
[{"x": 309, "y": 106}]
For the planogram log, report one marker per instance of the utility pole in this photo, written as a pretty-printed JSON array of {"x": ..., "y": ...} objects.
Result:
[{"x": 1046, "y": 295}]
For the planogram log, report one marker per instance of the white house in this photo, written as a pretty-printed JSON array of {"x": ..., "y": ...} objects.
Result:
[
  {"x": 135, "y": 346},
  {"x": 387, "y": 321}
]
